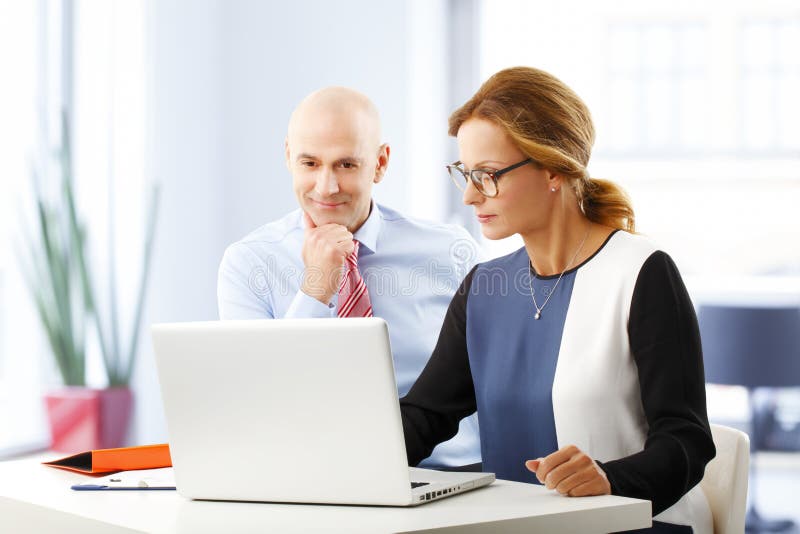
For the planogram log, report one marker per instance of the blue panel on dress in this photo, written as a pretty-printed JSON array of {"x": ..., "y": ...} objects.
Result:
[{"x": 513, "y": 360}]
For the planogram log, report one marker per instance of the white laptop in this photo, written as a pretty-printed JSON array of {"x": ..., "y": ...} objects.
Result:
[{"x": 290, "y": 410}]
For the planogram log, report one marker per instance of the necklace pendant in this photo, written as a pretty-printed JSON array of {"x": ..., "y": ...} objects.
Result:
[{"x": 537, "y": 315}]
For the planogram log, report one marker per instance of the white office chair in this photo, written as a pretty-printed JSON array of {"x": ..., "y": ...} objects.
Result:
[{"x": 725, "y": 479}]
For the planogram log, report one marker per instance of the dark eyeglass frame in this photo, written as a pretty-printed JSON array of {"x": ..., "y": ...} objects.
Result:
[{"x": 475, "y": 175}]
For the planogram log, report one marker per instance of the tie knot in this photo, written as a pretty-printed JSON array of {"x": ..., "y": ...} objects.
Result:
[{"x": 352, "y": 259}]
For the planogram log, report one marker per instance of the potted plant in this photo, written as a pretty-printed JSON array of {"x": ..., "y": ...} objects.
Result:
[{"x": 60, "y": 280}]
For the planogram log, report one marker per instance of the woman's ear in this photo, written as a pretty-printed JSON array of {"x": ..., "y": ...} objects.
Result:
[{"x": 554, "y": 182}]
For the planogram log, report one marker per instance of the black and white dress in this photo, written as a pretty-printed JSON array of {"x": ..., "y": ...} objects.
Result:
[{"x": 613, "y": 366}]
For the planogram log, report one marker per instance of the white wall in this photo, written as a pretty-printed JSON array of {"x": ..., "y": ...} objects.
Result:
[{"x": 224, "y": 78}]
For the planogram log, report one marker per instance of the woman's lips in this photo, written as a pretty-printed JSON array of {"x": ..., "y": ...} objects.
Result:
[{"x": 485, "y": 218}]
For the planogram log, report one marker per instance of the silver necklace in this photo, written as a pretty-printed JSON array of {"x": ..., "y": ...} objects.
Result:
[{"x": 538, "y": 314}]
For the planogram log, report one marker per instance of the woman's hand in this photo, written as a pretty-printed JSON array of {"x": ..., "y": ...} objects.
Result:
[{"x": 570, "y": 471}]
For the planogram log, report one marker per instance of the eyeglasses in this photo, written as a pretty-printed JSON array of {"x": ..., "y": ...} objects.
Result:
[{"x": 485, "y": 181}]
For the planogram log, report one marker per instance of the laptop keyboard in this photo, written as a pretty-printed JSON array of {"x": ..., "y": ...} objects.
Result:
[{"x": 418, "y": 484}]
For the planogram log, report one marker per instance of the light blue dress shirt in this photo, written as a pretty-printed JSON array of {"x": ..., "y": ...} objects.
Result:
[{"x": 412, "y": 269}]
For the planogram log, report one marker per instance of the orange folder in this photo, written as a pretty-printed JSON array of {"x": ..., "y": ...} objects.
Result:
[{"x": 111, "y": 460}]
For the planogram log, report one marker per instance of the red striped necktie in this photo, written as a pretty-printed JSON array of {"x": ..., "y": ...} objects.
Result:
[{"x": 353, "y": 294}]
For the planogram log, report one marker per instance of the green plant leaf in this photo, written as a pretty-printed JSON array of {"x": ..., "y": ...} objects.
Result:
[
  {"x": 50, "y": 271},
  {"x": 61, "y": 283}
]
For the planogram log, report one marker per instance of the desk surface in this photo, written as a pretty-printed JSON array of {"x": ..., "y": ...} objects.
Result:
[{"x": 35, "y": 498}]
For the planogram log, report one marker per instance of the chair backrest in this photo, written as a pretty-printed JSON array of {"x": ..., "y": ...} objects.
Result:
[{"x": 725, "y": 479}]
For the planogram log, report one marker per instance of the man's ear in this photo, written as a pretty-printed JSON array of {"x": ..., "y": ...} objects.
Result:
[
  {"x": 286, "y": 152},
  {"x": 383, "y": 162}
]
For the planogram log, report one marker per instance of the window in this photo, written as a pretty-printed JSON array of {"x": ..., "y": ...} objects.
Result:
[
  {"x": 23, "y": 54},
  {"x": 696, "y": 116},
  {"x": 88, "y": 59},
  {"x": 770, "y": 83},
  {"x": 657, "y": 88}
]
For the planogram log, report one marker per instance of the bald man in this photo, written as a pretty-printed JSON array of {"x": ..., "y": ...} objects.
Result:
[{"x": 296, "y": 266}]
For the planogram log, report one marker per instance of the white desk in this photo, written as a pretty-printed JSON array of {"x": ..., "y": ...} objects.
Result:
[{"x": 38, "y": 499}]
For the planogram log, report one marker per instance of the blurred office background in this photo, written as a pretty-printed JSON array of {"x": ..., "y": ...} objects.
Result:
[{"x": 696, "y": 108}]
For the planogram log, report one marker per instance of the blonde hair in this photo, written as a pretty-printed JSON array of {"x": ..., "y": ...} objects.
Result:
[{"x": 552, "y": 125}]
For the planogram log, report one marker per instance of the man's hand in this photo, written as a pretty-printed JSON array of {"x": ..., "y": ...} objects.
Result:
[
  {"x": 325, "y": 249},
  {"x": 571, "y": 472}
]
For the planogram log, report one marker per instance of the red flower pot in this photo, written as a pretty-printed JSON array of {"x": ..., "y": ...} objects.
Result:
[{"x": 84, "y": 419}]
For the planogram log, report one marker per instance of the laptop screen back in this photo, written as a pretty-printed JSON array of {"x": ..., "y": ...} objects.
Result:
[{"x": 293, "y": 410}]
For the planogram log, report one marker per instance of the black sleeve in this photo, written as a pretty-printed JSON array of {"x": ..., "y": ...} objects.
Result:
[
  {"x": 443, "y": 394},
  {"x": 665, "y": 342}
]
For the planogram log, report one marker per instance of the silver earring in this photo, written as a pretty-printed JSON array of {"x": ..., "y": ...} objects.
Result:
[{"x": 553, "y": 189}]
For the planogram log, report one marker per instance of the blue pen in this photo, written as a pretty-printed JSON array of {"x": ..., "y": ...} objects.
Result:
[{"x": 101, "y": 487}]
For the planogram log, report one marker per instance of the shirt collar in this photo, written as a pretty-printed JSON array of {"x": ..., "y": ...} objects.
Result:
[{"x": 367, "y": 235}]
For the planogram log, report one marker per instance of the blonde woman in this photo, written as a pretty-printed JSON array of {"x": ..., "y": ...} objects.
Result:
[{"x": 580, "y": 351}]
